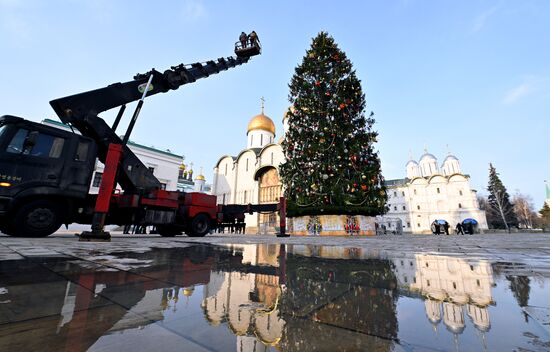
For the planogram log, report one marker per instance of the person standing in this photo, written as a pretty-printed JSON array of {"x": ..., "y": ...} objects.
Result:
[
  {"x": 253, "y": 37},
  {"x": 446, "y": 227},
  {"x": 242, "y": 38},
  {"x": 436, "y": 227},
  {"x": 459, "y": 229}
]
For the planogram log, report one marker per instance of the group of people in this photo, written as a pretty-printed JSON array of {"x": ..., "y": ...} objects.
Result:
[
  {"x": 237, "y": 226},
  {"x": 441, "y": 228},
  {"x": 460, "y": 229},
  {"x": 251, "y": 39}
]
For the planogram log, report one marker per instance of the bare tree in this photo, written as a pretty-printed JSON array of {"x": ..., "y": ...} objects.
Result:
[
  {"x": 496, "y": 212},
  {"x": 501, "y": 208},
  {"x": 524, "y": 209}
]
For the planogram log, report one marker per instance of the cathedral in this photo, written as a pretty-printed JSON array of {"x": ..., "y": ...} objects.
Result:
[
  {"x": 430, "y": 193},
  {"x": 253, "y": 175},
  {"x": 427, "y": 193}
]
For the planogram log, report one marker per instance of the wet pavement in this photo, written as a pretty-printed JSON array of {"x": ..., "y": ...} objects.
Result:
[{"x": 262, "y": 293}]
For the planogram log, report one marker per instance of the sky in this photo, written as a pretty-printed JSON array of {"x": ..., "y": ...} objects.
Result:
[{"x": 471, "y": 77}]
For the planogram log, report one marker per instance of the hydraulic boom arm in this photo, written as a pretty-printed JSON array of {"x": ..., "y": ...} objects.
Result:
[{"x": 81, "y": 111}]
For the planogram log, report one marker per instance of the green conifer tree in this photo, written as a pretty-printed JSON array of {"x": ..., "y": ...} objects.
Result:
[
  {"x": 544, "y": 220},
  {"x": 331, "y": 164},
  {"x": 501, "y": 211}
]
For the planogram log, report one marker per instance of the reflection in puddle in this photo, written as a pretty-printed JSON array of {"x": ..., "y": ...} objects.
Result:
[{"x": 269, "y": 297}]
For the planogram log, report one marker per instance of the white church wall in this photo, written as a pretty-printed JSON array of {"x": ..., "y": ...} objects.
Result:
[
  {"x": 259, "y": 138},
  {"x": 245, "y": 185},
  {"x": 422, "y": 200},
  {"x": 271, "y": 155},
  {"x": 224, "y": 180}
]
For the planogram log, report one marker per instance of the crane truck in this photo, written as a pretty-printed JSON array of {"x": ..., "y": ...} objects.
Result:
[{"x": 45, "y": 172}]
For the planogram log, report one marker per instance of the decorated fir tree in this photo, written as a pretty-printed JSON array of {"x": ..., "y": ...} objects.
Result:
[{"x": 331, "y": 165}]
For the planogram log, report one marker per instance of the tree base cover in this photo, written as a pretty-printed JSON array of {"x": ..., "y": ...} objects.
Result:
[{"x": 294, "y": 210}]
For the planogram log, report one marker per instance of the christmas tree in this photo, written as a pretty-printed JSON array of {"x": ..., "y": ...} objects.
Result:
[
  {"x": 331, "y": 164},
  {"x": 500, "y": 209}
]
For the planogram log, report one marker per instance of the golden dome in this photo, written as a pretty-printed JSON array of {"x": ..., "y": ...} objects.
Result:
[
  {"x": 188, "y": 291},
  {"x": 182, "y": 166},
  {"x": 261, "y": 122},
  {"x": 200, "y": 177}
]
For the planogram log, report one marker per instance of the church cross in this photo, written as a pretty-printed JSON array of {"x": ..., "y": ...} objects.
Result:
[{"x": 263, "y": 101}]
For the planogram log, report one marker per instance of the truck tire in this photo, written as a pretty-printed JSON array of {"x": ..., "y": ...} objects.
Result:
[
  {"x": 39, "y": 218},
  {"x": 200, "y": 226}
]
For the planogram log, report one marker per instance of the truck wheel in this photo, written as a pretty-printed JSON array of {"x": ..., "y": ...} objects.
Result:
[
  {"x": 39, "y": 218},
  {"x": 168, "y": 231},
  {"x": 199, "y": 226}
]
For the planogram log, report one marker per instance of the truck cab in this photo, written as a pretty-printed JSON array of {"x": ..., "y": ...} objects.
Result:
[{"x": 45, "y": 173}]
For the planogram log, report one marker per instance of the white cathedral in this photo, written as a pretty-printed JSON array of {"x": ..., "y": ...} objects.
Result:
[
  {"x": 253, "y": 175},
  {"x": 427, "y": 193},
  {"x": 430, "y": 193}
]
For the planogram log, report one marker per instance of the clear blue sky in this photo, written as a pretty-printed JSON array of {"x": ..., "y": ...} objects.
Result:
[{"x": 471, "y": 74}]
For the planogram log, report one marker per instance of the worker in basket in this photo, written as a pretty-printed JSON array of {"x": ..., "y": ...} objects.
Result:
[
  {"x": 243, "y": 39},
  {"x": 253, "y": 38}
]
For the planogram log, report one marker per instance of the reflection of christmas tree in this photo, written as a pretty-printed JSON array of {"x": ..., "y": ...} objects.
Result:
[
  {"x": 332, "y": 166},
  {"x": 520, "y": 286},
  {"x": 329, "y": 305}
]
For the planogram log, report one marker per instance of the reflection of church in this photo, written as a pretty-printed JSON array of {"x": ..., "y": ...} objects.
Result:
[
  {"x": 453, "y": 288},
  {"x": 247, "y": 302},
  {"x": 253, "y": 175},
  {"x": 303, "y": 303}
]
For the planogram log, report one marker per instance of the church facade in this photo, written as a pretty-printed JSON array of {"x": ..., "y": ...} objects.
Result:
[
  {"x": 429, "y": 192},
  {"x": 253, "y": 175}
]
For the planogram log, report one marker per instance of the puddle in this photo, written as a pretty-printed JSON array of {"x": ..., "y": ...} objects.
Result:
[{"x": 272, "y": 298}]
